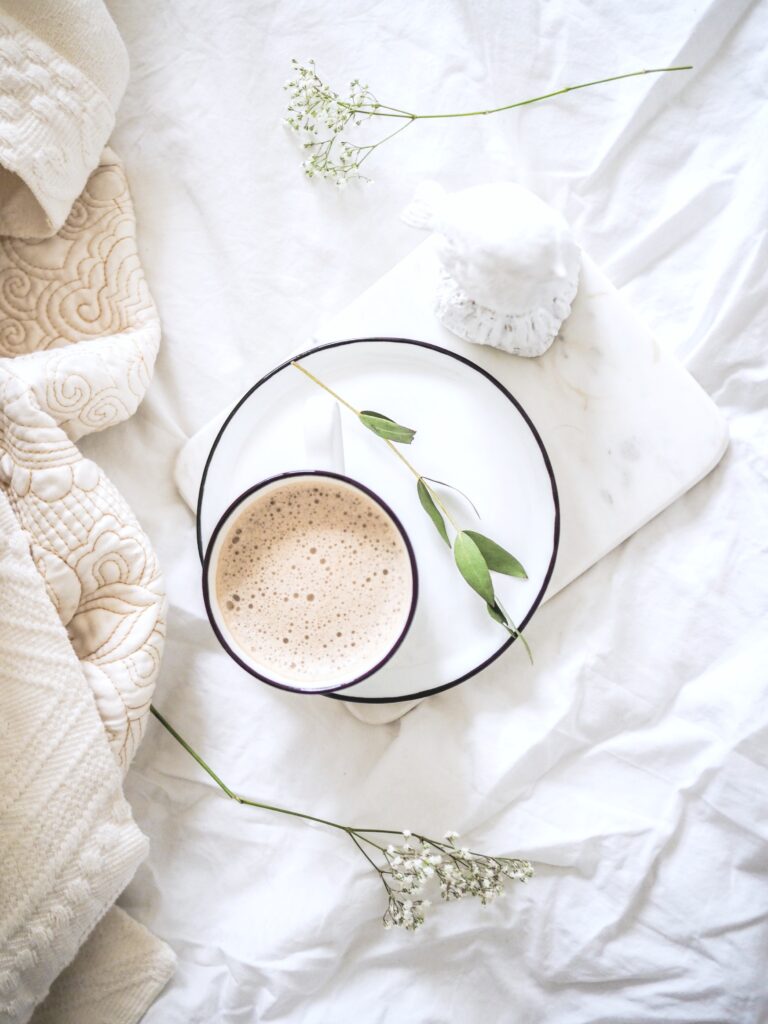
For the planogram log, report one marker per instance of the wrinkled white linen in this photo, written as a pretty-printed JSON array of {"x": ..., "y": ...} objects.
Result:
[{"x": 630, "y": 762}]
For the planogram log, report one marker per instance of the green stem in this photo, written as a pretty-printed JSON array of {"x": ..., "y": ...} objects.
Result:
[
  {"x": 325, "y": 387},
  {"x": 355, "y": 834},
  {"x": 375, "y": 112},
  {"x": 193, "y": 753},
  {"x": 358, "y": 844},
  {"x": 350, "y": 830},
  {"x": 377, "y": 831},
  {"x": 398, "y": 453},
  {"x": 378, "y": 110},
  {"x": 447, "y": 848},
  {"x": 419, "y": 476},
  {"x": 397, "y": 110},
  {"x": 230, "y": 793},
  {"x": 381, "y": 142},
  {"x": 524, "y": 103}
]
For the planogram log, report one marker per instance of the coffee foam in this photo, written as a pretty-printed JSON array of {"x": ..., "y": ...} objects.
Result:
[{"x": 313, "y": 581}]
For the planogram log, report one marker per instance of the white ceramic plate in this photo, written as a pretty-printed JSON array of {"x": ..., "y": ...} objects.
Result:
[{"x": 471, "y": 432}]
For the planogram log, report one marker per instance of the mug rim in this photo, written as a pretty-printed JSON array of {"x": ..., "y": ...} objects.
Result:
[{"x": 227, "y": 516}]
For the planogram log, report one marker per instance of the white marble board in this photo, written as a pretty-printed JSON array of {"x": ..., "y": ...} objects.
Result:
[{"x": 627, "y": 428}]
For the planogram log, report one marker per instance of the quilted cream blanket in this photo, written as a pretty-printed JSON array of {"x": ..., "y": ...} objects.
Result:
[{"x": 81, "y": 595}]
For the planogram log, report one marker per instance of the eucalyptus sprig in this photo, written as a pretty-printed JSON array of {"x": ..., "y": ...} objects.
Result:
[
  {"x": 476, "y": 556},
  {"x": 405, "y": 868},
  {"x": 321, "y": 118}
]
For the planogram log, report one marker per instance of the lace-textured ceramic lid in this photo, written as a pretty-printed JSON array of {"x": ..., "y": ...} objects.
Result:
[{"x": 509, "y": 264}]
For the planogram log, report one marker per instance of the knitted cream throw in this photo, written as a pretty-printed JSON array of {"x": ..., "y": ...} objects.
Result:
[
  {"x": 68, "y": 843},
  {"x": 81, "y": 597}
]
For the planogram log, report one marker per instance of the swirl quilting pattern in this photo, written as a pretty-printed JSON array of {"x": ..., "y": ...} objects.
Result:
[{"x": 78, "y": 338}]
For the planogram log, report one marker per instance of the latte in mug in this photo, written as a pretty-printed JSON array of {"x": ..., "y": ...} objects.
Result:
[{"x": 314, "y": 582}]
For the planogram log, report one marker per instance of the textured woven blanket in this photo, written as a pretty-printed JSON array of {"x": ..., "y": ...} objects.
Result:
[{"x": 82, "y": 601}]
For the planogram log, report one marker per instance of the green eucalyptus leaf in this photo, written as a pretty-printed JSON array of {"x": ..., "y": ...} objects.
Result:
[
  {"x": 378, "y": 415},
  {"x": 384, "y": 427},
  {"x": 432, "y": 510},
  {"x": 496, "y": 615},
  {"x": 472, "y": 566},
  {"x": 496, "y": 557}
]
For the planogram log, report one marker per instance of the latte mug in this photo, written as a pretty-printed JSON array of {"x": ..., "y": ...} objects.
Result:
[{"x": 309, "y": 579}]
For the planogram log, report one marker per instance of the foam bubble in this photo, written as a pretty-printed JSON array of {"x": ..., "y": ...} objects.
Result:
[{"x": 333, "y": 577}]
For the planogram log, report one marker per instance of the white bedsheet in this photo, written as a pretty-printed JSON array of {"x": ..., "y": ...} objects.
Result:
[{"x": 630, "y": 762}]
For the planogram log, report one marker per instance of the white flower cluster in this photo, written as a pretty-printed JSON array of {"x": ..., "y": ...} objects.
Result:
[
  {"x": 458, "y": 870},
  {"x": 314, "y": 110}
]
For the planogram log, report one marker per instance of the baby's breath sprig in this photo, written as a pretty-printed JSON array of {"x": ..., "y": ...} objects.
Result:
[
  {"x": 458, "y": 871},
  {"x": 405, "y": 868},
  {"x": 322, "y": 118},
  {"x": 476, "y": 556}
]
